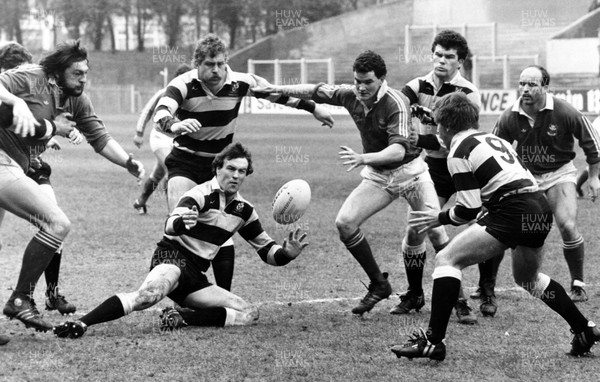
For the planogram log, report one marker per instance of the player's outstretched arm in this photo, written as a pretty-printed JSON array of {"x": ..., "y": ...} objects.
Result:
[{"x": 295, "y": 243}]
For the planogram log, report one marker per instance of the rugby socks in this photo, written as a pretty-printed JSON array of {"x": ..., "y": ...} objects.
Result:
[
  {"x": 148, "y": 188},
  {"x": 555, "y": 296},
  {"x": 414, "y": 262},
  {"x": 446, "y": 286},
  {"x": 111, "y": 309},
  {"x": 574, "y": 253},
  {"x": 51, "y": 273},
  {"x": 38, "y": 254},
  {"x": 488, "y": 272},
  {"x": 359, "y": 248},
  {"x": 204, "y": 316},
  {"x": 223, "y": 265}
]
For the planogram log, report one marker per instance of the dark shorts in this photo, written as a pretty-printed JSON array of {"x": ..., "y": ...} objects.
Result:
[
  {"x": 192, "y": 268},
  {"x": 42, "y": 174},
  {"x": 519, "y": 220},
  {"x": 442, "y": 180},
  {"x": 195, "y": 168}
]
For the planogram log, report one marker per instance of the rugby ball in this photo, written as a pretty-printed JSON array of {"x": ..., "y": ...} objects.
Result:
[{"x": 291, "y": 201}]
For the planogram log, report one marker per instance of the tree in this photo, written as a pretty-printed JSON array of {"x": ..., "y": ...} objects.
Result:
[
  {"x": 74, "y": 13},
  {"x": 170, "y": 13},
  {"x": 10, "y": 18},
  {"x": 229, "y": 12}
]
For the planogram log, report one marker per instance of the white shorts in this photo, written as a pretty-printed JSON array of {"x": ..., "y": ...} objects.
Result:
[
  {"x": 10, "y": 171},
  {"x": 160, "y": 141},
  {"x": 401, "y": 181},
  {"x": 565, "y": 174}
]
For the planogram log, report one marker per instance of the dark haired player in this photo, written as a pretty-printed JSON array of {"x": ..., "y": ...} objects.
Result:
[
  {"x": 449, "y": 49},
  {"x": 392, "y": 166},
  {"x": 487, "y": 171},
  {"x": 545, "y": 128},
  {"x": 51, "y": 93},
  {"x": 205, "y": 217}
]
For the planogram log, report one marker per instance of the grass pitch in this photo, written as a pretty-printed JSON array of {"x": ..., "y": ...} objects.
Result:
[{"x": 306, "y": 331}]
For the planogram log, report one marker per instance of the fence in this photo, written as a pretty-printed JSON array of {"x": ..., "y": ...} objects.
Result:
[
  {"x": 280, "y": 75},
  {"x": 119, "y": 99}
]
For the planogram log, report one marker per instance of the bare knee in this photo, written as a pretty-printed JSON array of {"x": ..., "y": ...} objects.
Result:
[
  {"x": 345, "y": 226},
  {"x": 57, "y": 224},
  {"x": 568, "y": 229},
  {"x": 413, "y": 238},
  {"x": 147, "y": 297}
]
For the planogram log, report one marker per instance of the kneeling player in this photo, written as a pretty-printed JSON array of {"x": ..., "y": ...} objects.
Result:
[
  {"x": 205, "y": 217},
  {"x": 486, "y": 170}
]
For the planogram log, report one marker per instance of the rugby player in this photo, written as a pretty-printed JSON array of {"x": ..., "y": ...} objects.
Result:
[
  {"x": 584, "y": 174},
  {"x": 450, "y": 49},
  {"x": 12, "y": 55},
  {"x": 46, "y": 100},
  {"x": 487, "y": 171},
  {"x": 392, "y": 166},
  {"x": 545, "y": 128},
  {"x": 201, "y": 109},
  {"x": 160, "y": 144},
  {"x": 205, "y": 217}
]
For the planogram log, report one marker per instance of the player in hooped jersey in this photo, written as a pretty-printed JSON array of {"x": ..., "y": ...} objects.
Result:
[
  {"x": 545, "y": 128},
  {"x": 449, "y": 50},
  {"x": 487, "y": 172},
  {"x": 201, "y": 109},
  {"x": 204, "y": 218}
]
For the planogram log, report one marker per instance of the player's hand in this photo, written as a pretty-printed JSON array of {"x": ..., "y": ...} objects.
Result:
[
  {"x": 322, "y": 114},
  {"x": 413, "y": 135},
  {"x": 424, "y": 114},
  {"x": 190, "y": 217},
  {"x": 138, "y": 141},
  {"x": 423, "y": 221},
  {"x": 294, "y": 244},
  {"x": 75, "y": 137},
  {"x": 351, "y": 158},
  {"x": 135, "y": 168},
  {"x": 53, "y": 144},
  {"x": 186, "y": 126},
  {"x": 23, "y": 119},
  {"x": 64, "y": 124},
  {"x": 35, "y": 163},
  {"x": 594, "y": 188}
]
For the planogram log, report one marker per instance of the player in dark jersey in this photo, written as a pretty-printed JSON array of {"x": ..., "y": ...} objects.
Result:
[
  {"x": 449, "y": 50},
  {"x": 204, "y": 218},
  {"x": 201, "y": 109},
  {"x": 392, "y": 167},
  {"x": 38, "y": 102},
  {"x": 487, "y": 171},
  {"x": 545, "y": 128}
]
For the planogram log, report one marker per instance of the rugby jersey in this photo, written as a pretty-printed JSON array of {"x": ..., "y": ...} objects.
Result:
[
  {"x": 387, "y": 122},
  {"x": 484, "y": 169},
  {"x": 45, "y": 100},
  {"x": 187, "y": 97},
  {"x": 217, "y": 222},
  {"x": 423, "y": 91},
  {"x": 147, "y": 114},
  {"x": 547, "y": 143}
]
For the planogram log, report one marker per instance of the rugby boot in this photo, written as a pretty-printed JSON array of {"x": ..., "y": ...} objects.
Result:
[
  {"x": 377, "y": 291},
  {"x": 488, "y": 306},
  {"x": 70, "y": 329},
  {"x": 171, "y": 319},
  {"x": 142, "y": 209},
  {"x": 578, "y": 293},
  {"x": 408, "y": 302},
  {"x": 418, "y": 346},
  {"x": 23, "y": 308},
  {"x": 464, "y": 312},
  {"x": 583, "y": 342},
  {"x": 476, "y": 295},
  {"x": 56, "y": 301}
]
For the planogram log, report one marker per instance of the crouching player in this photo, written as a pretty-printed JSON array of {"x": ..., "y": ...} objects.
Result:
[
  {"x": 205, "y": 217},
  {"x": 486, "y": 170}
]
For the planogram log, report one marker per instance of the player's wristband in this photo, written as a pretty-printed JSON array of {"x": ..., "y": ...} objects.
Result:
[
  {"x": 307, "y": 105},
  {"x": 139, "y": 134},
  {"x": 281, "y": 258},
  {"x": 444, "y": 217}
]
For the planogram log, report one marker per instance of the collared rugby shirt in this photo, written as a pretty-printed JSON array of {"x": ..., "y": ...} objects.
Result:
[
  {"x": 217, "y": 222},
  {"x": 484, "y": 169},
  {"x": 386, "y": 123},
  {"x": 547, "y": 143},
  {"x": 187, "y": 97},
  {"x": 424, "y": 92}
]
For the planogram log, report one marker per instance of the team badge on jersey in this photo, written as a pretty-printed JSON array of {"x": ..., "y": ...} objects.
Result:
[{"x": 552, "y": 129}]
